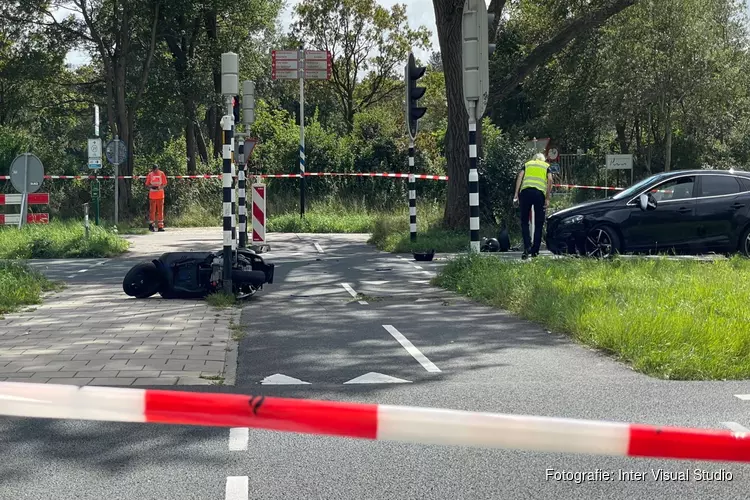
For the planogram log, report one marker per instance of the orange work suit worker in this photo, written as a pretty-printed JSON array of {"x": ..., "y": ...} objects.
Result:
[{"x": 156, "y": 181}]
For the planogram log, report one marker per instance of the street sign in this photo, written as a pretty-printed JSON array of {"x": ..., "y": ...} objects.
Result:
[
  {"x": 285, "y": 65},
  {"x": 316, "y": 55},
  {"x": 284, "y": 55},
  {"x": 95, "y": 148},
  {"x": 553, "y": 154},
  {"x": 116, "y": 151},
  {"x": 619, "y": 162},
  {"x": 95, "y": 189},
  {"x": 554, "y": 168},
  {"x": 316, "y": 65},
  {"x": 316, "y": 74},
  {"x": 250, "y": 143},
  {"x": 94, "y": 164},
  {"x": 285, "y": 74},
  {"x": 27, "y": 173}
]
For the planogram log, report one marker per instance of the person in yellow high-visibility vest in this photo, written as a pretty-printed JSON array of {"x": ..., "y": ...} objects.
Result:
[
  {"x": 156, "y": 181},
  {"x": 533, "y": 189}
]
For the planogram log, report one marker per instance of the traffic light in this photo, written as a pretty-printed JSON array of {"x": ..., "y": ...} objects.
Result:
[
  {"x": 248, "y": 103},
  {"x": 412, "y": 73},
  {"x": 476, "y": 51},
  {"x": 236, "y": 108}
]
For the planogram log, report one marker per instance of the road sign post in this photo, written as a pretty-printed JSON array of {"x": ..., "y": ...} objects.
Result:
[
  {"x": 116, "y": 152},
  {"x": 301, "y": 65},
  {"x": 95, "y": 196},
  {"x": 412, "y": 73},
  {"x": 26, "y": 176},
  {"x": 229, "y": 88}
]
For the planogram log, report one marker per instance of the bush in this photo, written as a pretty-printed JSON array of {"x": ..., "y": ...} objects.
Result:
[
  {"x": 59, "y": 240},
  {"x": 21, "y": 286}
]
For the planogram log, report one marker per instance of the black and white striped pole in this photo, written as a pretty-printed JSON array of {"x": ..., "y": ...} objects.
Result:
[
  {"x": 241, "y": 184},
  {"x": 229, "y": 89},
  {"x": 412, "y": 195},
  {"x": 473, "y": 186},
  {"x": 301, "y": 72},
  {"x": 412, "y": 73},
  {"x": 476, "y": 50}
]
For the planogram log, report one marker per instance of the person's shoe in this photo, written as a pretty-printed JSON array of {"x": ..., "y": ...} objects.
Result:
[
  {"x": 151, "y": 228},
  {"x": 161, "y": 229},
  {"x": 524, "y": 256}
]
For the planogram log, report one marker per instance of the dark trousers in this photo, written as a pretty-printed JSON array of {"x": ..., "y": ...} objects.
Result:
[{"x": 527, "y": 198}]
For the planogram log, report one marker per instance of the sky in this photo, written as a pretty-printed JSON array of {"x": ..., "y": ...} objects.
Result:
[{"x": 418, "y": 12}]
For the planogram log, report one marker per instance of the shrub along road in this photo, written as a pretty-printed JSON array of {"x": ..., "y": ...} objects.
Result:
[{"x": 341, "y": 314}]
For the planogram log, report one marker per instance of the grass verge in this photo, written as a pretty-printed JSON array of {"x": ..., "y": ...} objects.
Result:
[
  {"x": 21, "y": 286},
  {"x": 683, "y": 320},
  {"x": 59, "y": 240},
  {"x": 221, "y": 300}
]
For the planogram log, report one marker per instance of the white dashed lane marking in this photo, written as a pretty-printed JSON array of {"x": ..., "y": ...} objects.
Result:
[{"x": 352, "y": 292}]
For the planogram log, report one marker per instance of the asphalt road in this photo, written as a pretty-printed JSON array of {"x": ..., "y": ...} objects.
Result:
[{"x": 311, "y": 326}]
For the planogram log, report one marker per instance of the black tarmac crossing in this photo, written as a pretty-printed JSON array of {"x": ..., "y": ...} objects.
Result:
[{"x": 309, "y": 336}]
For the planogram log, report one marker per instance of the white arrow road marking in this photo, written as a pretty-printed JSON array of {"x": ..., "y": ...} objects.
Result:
[
  {"x": 237, "y": 488},
  {"x": 743, "y": 397},
  {"x": 416, "y": 353},
  {"x": 238, "y": 438},
  {"x": 734, "y": 426},
  {"x": 352, "y": 292},
  {"x": 317, "y": 247},
  {"x": 377, "y": 378},
  {"x": 279, "y": 379}
]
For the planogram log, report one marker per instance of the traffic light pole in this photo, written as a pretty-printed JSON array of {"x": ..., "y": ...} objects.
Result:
[
  {"x": 226, "y": 177},
  {"x": 301, "y": 133},
  {"x": 412, "y": 194},
  {"x": 241, "y": 193},
  {"x": 473, "y": 183}
]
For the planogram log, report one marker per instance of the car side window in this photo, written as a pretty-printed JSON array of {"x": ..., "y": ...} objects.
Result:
[
  {"x": 675, "y": 189},
  {"x": 745, "y": 183},
  {"x": 717, "y": 185}
]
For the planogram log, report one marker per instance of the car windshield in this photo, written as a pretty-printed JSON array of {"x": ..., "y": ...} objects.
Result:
[{"x": 634, "y": 188}]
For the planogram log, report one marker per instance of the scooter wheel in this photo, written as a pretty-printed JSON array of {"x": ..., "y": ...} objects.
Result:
[{"x": 142, "y": 281}]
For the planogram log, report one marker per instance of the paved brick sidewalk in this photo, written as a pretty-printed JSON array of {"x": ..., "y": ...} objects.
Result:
[{"x": 91, "y": 333}]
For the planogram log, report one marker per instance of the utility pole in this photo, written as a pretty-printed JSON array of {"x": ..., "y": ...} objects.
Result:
[{"x": 476, "y": 51}]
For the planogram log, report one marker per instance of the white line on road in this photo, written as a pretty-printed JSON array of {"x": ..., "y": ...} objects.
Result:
[
  {"x": 238, "y": 438},
  {"x": 420, "y": 282},
  {"x": 417, "y": 267},
  {"x": 317, "y": 247},
  {"x": 416, "y": 353},
  {"x": 82, "y": 270},
  {"x": 71, "y": 276},
  {"x": 352, "y": 292},
  {"x": 743, "y": 397},
  {"x": 734, "y": 426},
  {"x": 100, "y": 263},
  {"x": 237, "y": 488}
]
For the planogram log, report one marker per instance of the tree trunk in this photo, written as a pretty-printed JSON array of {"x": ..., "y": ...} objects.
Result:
[
  {"x": 448, "y": 17},
  {"x": 201, "y": 144},
  {"x": 622, "y": 140},
  {"x": 213, "y": 118},
  {"x": 189, "y": 135}
]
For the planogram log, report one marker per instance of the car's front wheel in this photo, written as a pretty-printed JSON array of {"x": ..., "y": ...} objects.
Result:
[
  {"x": 602, "y": 242},
  {"x": 744, "y": 246}
]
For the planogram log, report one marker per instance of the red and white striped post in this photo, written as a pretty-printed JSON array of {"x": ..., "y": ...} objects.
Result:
[{"x": 259, "y": 214}]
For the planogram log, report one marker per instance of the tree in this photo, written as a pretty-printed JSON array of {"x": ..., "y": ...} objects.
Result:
[
  {"x": 366, "y": 42},
  {"x": 448, "y": 17}
]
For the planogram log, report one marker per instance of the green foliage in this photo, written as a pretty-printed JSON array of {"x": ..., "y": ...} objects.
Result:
[
  {"x": 681, "y": 320},
  {"x": 59, "y": 240},
  {"x": 21, "y": 286}
]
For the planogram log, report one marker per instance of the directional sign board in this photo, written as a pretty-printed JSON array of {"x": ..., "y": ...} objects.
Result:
[
  {"x": 27, "y": 173},
  {"x": 619, "y": 162},
  {"x": 117, "y": 152},
  {"x": 95, "y": 153},
  {"x": 285, "y": 65}
]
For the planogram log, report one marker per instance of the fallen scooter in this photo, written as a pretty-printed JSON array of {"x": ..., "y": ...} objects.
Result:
[{"x": 185, "y": 275}]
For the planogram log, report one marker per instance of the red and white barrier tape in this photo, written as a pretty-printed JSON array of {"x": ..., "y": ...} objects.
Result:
[
  {"x": 397, "y": 175},
  {"x": 371, "y": 421},
  {"x": 274, "y": 176}
]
